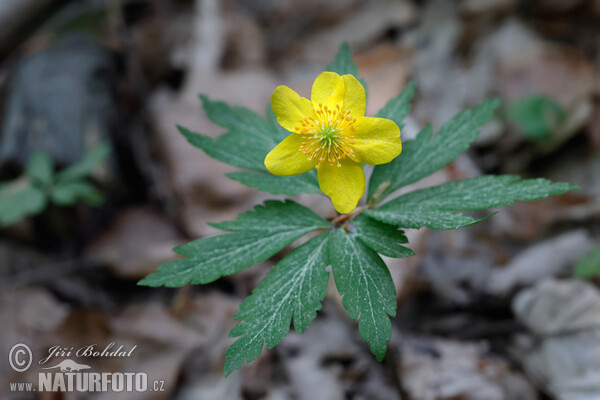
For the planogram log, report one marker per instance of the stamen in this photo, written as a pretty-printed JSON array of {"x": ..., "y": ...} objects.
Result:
[{"x": 328, "y": 137}]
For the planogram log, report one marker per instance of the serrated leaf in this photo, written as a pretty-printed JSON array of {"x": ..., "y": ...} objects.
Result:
[
  {"x": 69, "y": 192},
  {"x": 241, "y": 120},
  {"x": 275, "y": 216},
  {"x": 39, "y": 168},
  {"x": 248, "y": 140},
  {"x": 230, "y": 148},
  {"x": 383, "y": 238},
  {"x": 366, "y": 287},
  {"x": 343, "y": 64},
  {"x": 246, "y": 144},
  {"x": 292, "y": 291},
  {"x": 589, "y": 266},
  {"x": 427, "y": 153},
  {"x": 18, "y": 200},
  {"x": 436, "y": 207},
  {"x": 259, "y": 235},
  {"x": 91, "y": 160},
  {"x": 280, "y": 185},
  {"x": 398, "y": 108}
]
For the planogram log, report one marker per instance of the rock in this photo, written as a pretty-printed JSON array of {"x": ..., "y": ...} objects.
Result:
[
  {"x": 565, "y": 316},
  {"x": 60, "y": 102}
]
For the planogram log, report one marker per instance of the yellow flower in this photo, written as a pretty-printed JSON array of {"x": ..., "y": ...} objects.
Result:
[{"x": 331, "y": 133}]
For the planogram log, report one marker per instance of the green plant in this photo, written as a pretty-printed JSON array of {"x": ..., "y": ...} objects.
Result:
[
  {"x": 538, "y": 117},
  {"x": 292, "y": 292},
  {"x": 589, "y": 266},
  {"x": 40, "y": 184}
]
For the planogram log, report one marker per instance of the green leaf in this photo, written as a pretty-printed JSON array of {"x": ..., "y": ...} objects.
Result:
[
  {"x": 383, "y": 238},
  {"x": 259, "y": 234},
  {"x": 274, "y": 216},
  {"x": 343, "y": 64},
  {"x": 292, "y": 291},
  {"x": 91, "y": 160},
  {"x": 19, "y": 199},
  {"x": 426, "y": 154},
  {"x": 435, "y": 207},
  {"x": 230, "y": 148},
  {"x": 69, "y": 192},
  {"x": 246, "y": 144},
  {"x": 537, "y": 116},
  {"x": 39, "y": 168},
  {"x": 280, "y": 185},
  {"x": 589, "y": 266},
  {"x": 398, "y": 108},
  {"x": 366, "y": 287},
  {"x": 242, "y": 121},
  {"x": 248, "y": 140}
]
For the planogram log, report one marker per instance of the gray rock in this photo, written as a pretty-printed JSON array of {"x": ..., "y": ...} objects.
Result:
[{"x": 60, "y": 102}]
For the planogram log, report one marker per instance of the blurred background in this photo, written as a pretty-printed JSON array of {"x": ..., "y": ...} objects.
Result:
[{"x": 505, "y": 310}]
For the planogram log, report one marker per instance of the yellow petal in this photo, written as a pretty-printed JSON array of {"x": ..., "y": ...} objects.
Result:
[
  {"x": 376, "y": 140},
  {"x": 345, "y": 185},
  {"x": 290, "y": 108},
  {"x": 328, "y": 90},
  {"x": 286, "y": 160},
  {"x": 354, "y": 96}
]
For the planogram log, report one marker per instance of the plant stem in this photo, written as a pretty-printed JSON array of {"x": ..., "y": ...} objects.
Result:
[{"x": 340, "y": 219}]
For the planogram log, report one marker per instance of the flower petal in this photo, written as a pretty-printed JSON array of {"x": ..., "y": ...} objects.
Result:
[
  {"x": 286, "y": 160},
  {"x": 327, "y": 90},
  {"x": 345, "y": 185},
  {"x": 376, "y": 140},
  {"x": 355, "y": 100},
  {"x": 290, "y": 108}
]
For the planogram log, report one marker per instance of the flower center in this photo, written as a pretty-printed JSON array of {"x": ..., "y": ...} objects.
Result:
[{"x": 328, "y": 137}]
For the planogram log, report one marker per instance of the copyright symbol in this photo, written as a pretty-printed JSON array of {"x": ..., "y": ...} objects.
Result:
[{"x": 20, "y": 357}]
